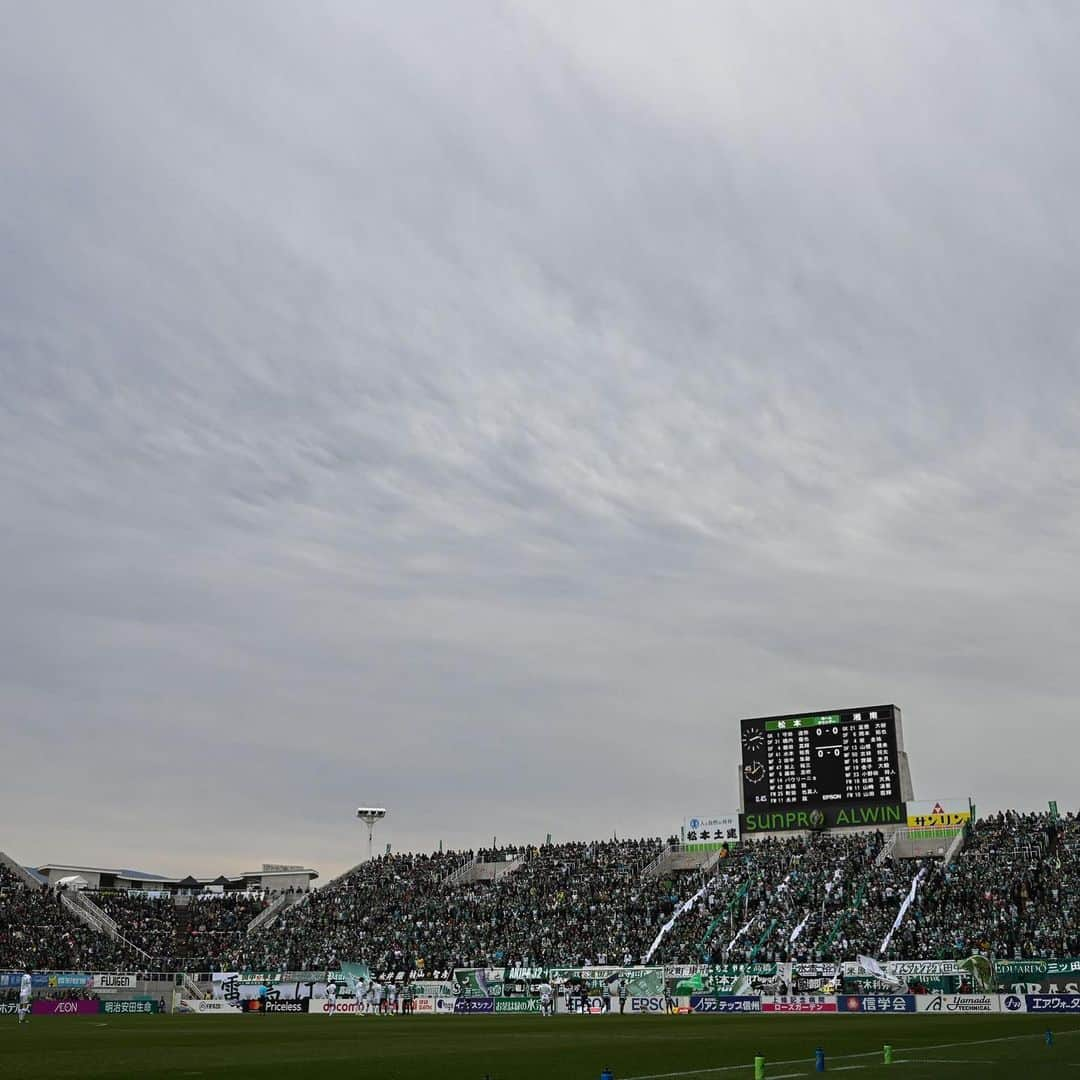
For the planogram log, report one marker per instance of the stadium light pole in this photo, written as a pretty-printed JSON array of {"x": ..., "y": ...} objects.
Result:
[{"x": 369, "y": 815}]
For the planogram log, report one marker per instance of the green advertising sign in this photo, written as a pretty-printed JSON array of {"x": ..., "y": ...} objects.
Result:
[
  {"x": 130, "y": 1008},
  {"x": 825, "y": 817},
  {"x": 517, "y": 1005}
]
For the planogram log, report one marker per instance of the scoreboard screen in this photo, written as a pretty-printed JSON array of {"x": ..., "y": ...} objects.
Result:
[{"x": 814, "y": 759}]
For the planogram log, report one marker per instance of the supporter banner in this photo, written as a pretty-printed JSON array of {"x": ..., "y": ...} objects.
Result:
[
  {"x": 736, "y": 980},
  {"x": 799, "y": 1003},
  {"x": 1067, "y": 1003},
  {"x": 496, "y": 981},
  {"x": 229, "y": 986},
  {"x": 713, "y": 1003},
  {"x": 710, "y": 833},
  {"x": 876, "y": 1003},
  {"x": 1023, "y": 969},
  {"x": 209, "y": 1007},
  {"x": 474, "y": 1005},
  {"x": 957, "y": 1003},
  {"x": 40, "y": 980},
  {"x": 640, "y": 981},
  {"x": 922, "y": 969},
  {"x": 434, "y": 989},
  {"x": 134, "y": 1008},
  {"x": 674, "y": 972},
  {"x": 943, "y": 814},
  {"x": 847, "y": 815},
  {"x": 815, "y": 971},
  {"x": 64, "y": 1008},
  {"x": 517, "y": 1005},
  {"x": 109, "y": 983},
  {"x": 1038, "y": 976},
  {"x": 1038, "y": 986}
]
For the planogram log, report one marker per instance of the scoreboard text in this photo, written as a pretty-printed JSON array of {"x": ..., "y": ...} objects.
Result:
[{"x": 813, "y": 760}]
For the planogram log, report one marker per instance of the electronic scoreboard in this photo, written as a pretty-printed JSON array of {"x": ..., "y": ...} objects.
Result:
[{"x": 824, "y": 764}]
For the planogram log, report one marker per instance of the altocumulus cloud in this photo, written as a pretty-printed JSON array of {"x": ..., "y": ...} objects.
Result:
[{"x": 476, "y": 408}]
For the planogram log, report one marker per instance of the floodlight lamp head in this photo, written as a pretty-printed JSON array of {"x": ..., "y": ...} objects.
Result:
[{"x": 371, "y": 813}]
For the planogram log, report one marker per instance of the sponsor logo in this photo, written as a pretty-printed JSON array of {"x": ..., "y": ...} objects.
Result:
[
  {"x": 114, "y": 982},
  {"x": 1053, "y": 1002},
  {"x": 708, "y": 1003},
  {"x": 474, "y": 1005},
  {"x": 126, "y": 1007},
  {"x": 516, "y": 1005},
  {"x": 831, "y": 816},
  {"x": 800, "y": 1003},
  {"x": 1012, "y": 1003},
  {"x": 876, "y": 1003},
  {"x": 8, "y": 1008},
  {"x": 64, "y": 1008},
  {"x": 960, "y": 1003},
  {"x": 647, "y": 1004},
  {"x": 284, "y": 1006}
]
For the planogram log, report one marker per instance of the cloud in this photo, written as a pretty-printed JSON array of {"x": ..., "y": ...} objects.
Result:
[{"x": 477, "y": 412}]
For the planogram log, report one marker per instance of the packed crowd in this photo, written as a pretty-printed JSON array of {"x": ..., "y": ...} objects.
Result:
[
  {"x": 1013, "y": 891},
  {"x": 37, "y": 931},
  {"x": 564, "y": 904},
  {"x": 187, "y": 934}
]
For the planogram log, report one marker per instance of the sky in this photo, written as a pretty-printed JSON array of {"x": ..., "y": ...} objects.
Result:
[{"x": 475, "y": 409}]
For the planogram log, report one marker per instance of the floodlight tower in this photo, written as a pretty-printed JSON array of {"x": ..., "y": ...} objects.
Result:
[{"x": 369, "y": 815}]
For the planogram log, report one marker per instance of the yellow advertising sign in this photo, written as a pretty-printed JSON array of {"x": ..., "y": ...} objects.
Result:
[{"x": 943, "y": 814}]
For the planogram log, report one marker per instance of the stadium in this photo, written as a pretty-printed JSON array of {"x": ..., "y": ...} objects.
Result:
[
  {"x": 953, "y": 938},
  {"x": 539, "y": 540}
]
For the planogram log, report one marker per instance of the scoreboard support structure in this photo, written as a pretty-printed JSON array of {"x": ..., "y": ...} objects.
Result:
[{"x": 836, "y": 768}]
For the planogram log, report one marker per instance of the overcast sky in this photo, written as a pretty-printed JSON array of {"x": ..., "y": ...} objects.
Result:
[{"x": 475, "y": 408}]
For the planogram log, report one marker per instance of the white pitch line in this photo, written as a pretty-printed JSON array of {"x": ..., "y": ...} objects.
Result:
[{"x": 846, "y": 1057}]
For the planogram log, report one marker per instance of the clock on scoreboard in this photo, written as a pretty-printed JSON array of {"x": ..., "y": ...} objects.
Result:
[{"x": 805, "y": 761}]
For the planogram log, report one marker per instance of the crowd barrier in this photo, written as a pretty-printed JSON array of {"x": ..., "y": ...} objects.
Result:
[{"x": 714, "y": 1004}]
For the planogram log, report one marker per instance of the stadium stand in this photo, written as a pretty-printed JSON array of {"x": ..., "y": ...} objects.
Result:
[
  {"x": 37, "y": 931},
  {"x": 181, "y": 933},
  {"x": 1012, "y": 891}
]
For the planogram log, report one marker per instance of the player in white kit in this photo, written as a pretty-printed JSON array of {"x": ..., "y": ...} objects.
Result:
[
  {"x": 25, "y": 986},
  {"x": 331, "y": 998}
]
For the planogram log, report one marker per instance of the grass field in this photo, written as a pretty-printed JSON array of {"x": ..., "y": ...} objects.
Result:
[{"x": 529, "y": 1048}]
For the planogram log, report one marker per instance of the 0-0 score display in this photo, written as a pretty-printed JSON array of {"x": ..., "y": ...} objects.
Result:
[{"x": 802, "y": 760}]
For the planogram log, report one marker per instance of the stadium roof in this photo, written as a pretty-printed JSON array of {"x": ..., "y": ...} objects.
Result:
[{"x": 48, "y": 871}]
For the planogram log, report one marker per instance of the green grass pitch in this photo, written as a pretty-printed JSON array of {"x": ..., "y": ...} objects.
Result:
[{"x": 529, "y": 1048}]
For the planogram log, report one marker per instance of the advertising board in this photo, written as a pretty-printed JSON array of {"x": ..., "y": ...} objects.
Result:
[
  {"x": 1053, "y": 1003},
  {"x": 939, "y": 814},
  {"x": 957, "y": 1003},
  {"x": 517, "y": 1005},
  {"x": 64, "y": 1008},
  {"x": 209, "y": 1006},
  {"x": 141, "y": 1007},
  {"x": 798, "y": 1003},
  {"x": 876, "y": 1003},
  {"x": 474, "y": 1005},
  {"x": 109, "y": 983},
  {"x": 714, "y": 1003}
]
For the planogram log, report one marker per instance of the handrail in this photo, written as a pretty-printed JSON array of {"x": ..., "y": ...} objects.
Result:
[{"x": 268, "y": 913}]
